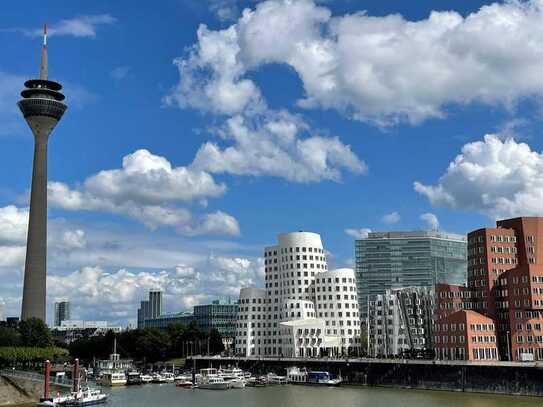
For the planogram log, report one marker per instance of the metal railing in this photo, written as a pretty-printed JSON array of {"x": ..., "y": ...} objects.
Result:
[{"x": 35, "y": 377}]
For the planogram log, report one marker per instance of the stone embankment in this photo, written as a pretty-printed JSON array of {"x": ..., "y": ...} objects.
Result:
[{"x": 13, "y": 394}]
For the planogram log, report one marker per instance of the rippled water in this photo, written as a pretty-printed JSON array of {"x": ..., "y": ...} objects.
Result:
[{"x": 159, "y": 395}]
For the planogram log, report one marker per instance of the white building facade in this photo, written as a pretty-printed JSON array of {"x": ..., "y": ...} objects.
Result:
[{"x": 304, "y": 310}]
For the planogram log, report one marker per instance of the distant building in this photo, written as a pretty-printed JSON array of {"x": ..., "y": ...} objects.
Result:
[
  {"x": 70, "y": 330},
  {"x": 305, "y": 310},
  {"x": 2, "y": 315},
  {"x": 151, "y": 308},
  {"x": 164, "y": 320},
  {"x": 400, "y": 320},
  {"x": 62, "y": 312},
  {"x": 219, "y": 315},
  {"x": 389, "y": 260}
]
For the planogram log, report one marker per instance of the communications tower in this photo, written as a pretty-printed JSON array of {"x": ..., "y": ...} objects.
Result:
[{"x": 42, "y": 108}]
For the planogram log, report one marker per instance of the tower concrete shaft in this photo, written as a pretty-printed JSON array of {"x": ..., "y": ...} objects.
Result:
[{"x": 42, "y": 108}]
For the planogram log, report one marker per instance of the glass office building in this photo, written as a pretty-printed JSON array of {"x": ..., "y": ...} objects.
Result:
[{"x": 390, "y": 260}]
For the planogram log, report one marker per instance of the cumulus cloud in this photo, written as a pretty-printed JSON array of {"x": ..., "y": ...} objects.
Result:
[
  {"x": 430, "y": 220},
  {"x": 373, "y": 69},
  {"x": 391, "y": 218},
  {"x": 500, "y": 178},
  {"x": 13, "y": 224},
  {"x": 147, "y": 188},
  {"x": 93, "y": 288},
  {"x": 276, "y": 147},
  {"x": 257, "y": 140},
  {"x": 358, "y": 233}
]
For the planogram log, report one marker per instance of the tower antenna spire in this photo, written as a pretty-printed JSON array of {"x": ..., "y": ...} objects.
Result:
[{"x": 43, "y": 66}]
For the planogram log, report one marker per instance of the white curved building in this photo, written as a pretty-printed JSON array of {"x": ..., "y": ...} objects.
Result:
[
  {"x": 336, "y": 301},
  {"x": 291, "y": 325},
  {"x": 251, "y": 320}
]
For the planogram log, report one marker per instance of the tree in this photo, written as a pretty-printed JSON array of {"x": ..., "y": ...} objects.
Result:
[
  {"x": 216, "y": 345},
  {"x": 34, "y": 333},
  {"x": 9, "y": 337}
]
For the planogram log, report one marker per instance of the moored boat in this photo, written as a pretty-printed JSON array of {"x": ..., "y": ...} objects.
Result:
[
  {"x": 86, "y": 397},
  {"x": 210, "y": 380}
]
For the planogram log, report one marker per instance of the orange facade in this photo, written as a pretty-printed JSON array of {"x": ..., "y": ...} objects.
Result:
[
  {"x": 465, "y": 335},
  {"x": 505, "y": 284}
]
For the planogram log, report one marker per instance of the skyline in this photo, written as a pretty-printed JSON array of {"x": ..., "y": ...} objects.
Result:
[{"x": 175, "y": 188}]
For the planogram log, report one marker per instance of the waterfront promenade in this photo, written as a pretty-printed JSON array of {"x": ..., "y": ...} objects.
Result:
[{"x": 511, "y": 378}]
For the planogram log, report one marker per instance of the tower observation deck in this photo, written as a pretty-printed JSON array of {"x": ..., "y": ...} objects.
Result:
[{"x": 42, "y": 107}]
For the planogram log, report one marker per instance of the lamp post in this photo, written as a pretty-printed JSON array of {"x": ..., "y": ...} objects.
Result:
[{"x": 508, "y": 345}]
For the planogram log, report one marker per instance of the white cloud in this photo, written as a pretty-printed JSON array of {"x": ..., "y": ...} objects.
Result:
[
  {"x": 13, "y": 224},
  {"x": 370, "y": 68},
  {"x": 431, "y": 220},
  {"x": 95, "y": 292},
  {"x": 120, "y": 72},
  {"x": 12, "y": 256},
  {"x": 74, "y": 239},
  {"x": 358, "y": 233},
  {"x": 391, "y": 218},
  {"x": 81, "y": 26},
  {"x": 500, "y": 178},
  {"x": 275, "y": 146},
  {"x": 147, "y": 188}
]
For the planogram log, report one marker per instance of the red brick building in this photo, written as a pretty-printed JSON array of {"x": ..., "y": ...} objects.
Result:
[
  {"x": 505, "y": 284},
  {"x": 466, "y": 335}
]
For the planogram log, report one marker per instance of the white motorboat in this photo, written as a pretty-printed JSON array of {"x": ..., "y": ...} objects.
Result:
[
  {"x": 158, "y": 378},
  {"x": 113, "y": 378},
  {"x": 237, "y": 383},
  {"x": 86, "y": 397},
  {"x": 272, "y": 378},
  {"x": 210, "y": 379},
  {"x": 234, "y": 376},
  {"x": 145, "y": 378},
  {"x": 168, "y": 377},
  {"x": 296, "y": 375}
]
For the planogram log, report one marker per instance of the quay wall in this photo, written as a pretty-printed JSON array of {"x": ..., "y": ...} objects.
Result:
[
  {"x": 15, "y": 391},
  {"x": 509, "y": 378}
]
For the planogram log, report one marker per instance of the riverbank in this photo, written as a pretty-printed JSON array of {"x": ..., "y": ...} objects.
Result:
[{"x": 12, "y": 395}]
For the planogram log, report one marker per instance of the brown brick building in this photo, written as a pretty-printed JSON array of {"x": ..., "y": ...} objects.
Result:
[{"x": 505, "y": 286}]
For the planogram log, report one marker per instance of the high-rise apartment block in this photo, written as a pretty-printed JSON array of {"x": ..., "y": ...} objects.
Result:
[
  {"x": 62, "y": 312},
  {"x": 391, "y": 260},
  {"x": 503, "y": 300},
  {"x": 304, "y": 309}
]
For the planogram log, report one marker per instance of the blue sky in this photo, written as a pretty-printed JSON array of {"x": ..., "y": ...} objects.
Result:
[{"x": 331, "y": 116}]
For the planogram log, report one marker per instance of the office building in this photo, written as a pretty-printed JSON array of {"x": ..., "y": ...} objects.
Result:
[
  {"x": 150, "y": 308},
  {"x": 220, "y": 315},
  {"x": 42, "y": 107},
  {"x": 400, "y": 321},
  {"x": 305, "y": 310},
  {"x": 62, "y": 312},
  {"x": 503, "y": 300},
  {"x": 390, "y": 260},
  {"x": 165, "y": 320}
]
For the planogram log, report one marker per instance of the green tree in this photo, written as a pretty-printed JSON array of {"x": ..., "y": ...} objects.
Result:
[
  {"x": 9, "y": 337},
  {"x": 34, "y": 333},
  {"x": 216, "y": 345}
]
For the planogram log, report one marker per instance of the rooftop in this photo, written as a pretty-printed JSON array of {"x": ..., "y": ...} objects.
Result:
[{"x": 415, "y": 234}]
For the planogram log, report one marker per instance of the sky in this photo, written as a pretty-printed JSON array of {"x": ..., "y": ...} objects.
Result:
[{"x": 197, "y": 131}]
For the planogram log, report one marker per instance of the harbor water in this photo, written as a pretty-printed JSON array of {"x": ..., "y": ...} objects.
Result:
[{"x": 165, "y": 395}]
